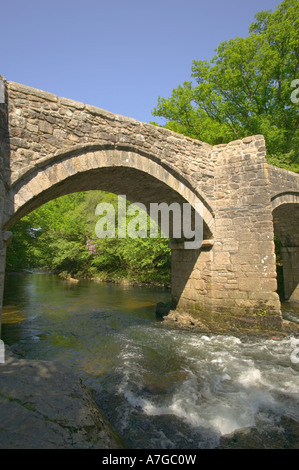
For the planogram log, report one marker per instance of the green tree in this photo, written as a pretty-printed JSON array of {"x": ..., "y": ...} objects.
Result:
[
  {"x": 60, "y": 235},
  {"x": 143, "y": 259},
  {"x": 245, "y": 89},
  {"x": 53, "y": 236}
]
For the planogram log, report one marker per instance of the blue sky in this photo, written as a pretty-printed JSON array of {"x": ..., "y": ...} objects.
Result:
[{"x": 119, "y": 55}]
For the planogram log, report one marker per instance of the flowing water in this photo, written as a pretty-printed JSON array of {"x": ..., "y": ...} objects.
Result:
[{"x": 159, "y": 387}]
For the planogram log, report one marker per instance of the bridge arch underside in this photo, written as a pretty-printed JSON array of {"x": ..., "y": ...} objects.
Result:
[
  {"x": 140, "y": 180},
  {"x": 286, "y": 227},
  {"x": 120, "y": 172}
]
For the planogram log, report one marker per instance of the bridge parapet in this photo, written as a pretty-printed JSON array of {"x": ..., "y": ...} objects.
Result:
[
  {"x": 43, "y": 126},
  {"x": 282, "y": 182}
]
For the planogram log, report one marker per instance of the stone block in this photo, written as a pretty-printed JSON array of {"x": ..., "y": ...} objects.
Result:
[
  {"x": 25, "y": 193},
  {"x": 222, "y": 258},
  {"x": 258, "y": 285},
  {"x": 45, "y": 127},
  {"x": 71, "y": 103}
]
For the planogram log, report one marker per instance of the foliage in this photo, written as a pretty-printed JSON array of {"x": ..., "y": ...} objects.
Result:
[
  {"x": 245, "y": 89},
  {"x": 59, "y": 242},
  {"x": 64, "y": 240},
  {"x": 20, "y": 253}
]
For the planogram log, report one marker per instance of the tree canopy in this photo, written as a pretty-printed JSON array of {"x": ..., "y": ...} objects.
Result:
[{"x": 245, "y": 89}]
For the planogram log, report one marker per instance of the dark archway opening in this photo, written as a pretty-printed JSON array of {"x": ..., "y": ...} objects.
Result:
[
  {"x": 279, "y": 268},
  {"x": 60, "y": 236},
  {"x": 286, "y": 227}
]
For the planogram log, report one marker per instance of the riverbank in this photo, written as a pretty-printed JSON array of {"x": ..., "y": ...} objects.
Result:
[
  {"x": 118, "y": 280},
  {"x": 101, "y": 278},
  {"x": 43, "y": 405}
]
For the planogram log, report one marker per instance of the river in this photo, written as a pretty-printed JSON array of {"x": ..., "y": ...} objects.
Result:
[{"x": 160, "y": 388}]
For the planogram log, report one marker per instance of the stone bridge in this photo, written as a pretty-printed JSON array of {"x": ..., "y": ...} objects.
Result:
[{"x": 52, "y": 146}]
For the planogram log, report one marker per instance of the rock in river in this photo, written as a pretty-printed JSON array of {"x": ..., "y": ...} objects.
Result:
[{"x": 43, "y": 405}]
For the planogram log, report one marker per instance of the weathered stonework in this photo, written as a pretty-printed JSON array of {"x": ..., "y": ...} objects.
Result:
[
  {"x": 4, "y": 175},
  {"x": 53, "y": 146}
]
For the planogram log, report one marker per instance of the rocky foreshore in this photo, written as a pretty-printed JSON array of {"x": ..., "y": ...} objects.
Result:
[{"x": 43, "y": 405}]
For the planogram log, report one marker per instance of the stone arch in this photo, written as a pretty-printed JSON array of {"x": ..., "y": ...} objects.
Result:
[
  {"x": 129, "y": 172},
  {"x": 141, "y": 178},
  {"x": 286, "y": 227},
  {"x": 287, "y": 197}
]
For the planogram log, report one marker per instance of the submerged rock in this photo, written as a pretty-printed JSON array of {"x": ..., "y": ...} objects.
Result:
[
  {"x": 162, "y": 309},
  {"x": 184, "y": 320},
  {"x": 43, "y": 405},
  {"x": 284, "y": 436}
]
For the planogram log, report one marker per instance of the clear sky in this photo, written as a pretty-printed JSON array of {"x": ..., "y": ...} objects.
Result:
[{"x": 119, "y": 55}]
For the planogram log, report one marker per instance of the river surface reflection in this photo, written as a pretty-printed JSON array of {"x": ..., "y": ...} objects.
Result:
[{"x": 159, "y": 387}]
